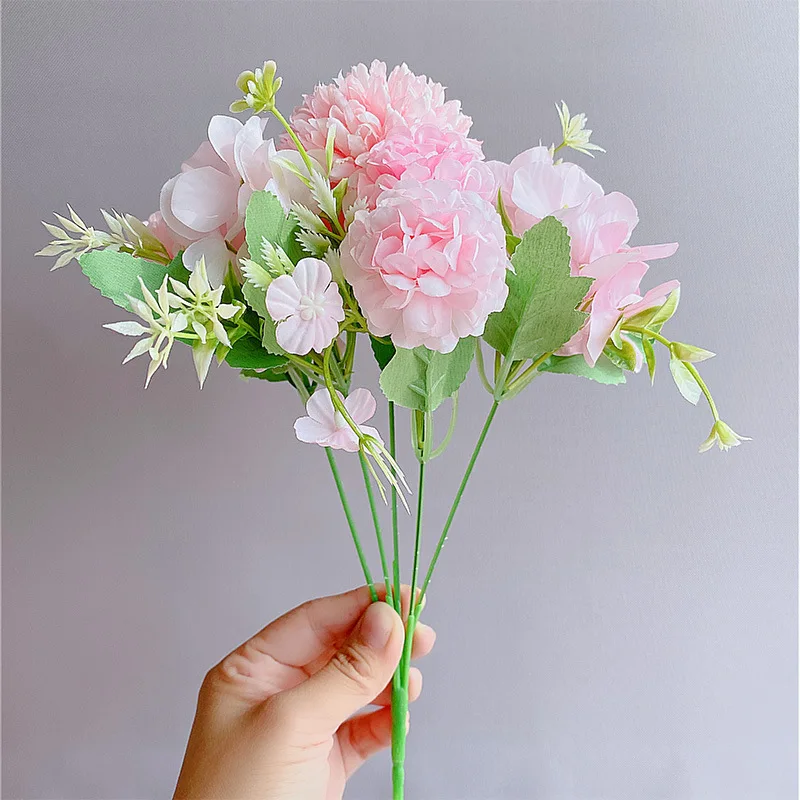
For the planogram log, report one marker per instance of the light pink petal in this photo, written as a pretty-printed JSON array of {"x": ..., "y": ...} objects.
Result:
[
  {"x": 312, "y": 276},
  {"x": 652, "y": 252},
  {"x": 204, "y": 156},
  {"x": 311, "y": 431},
  {"x": 222, "y": 132},
  {"x": 654, "y": 297},
  {"x": 342, "y": 439},
  {"x": 216, "y": 254},
  {"x": 361, "y": 405},
  {"x": 296, "y": 335},
  {"x": 320, "y": 408},
  {"x": 368, "y": 430},
  {"x": 283, "y": 297},
  {"x": 205, "y": 198},
  {"x": 172, "y": 222}
]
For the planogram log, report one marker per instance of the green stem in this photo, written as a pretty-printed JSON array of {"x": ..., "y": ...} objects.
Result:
[
  {"x": 481, "y": 367},
  {"x": 456, "y": 501},
  {"x": 377, "y": 524},
  {"x": 528, "y": 375},
  {"x": 351, "y": 523},
  {"x": 450, "y": 429},
  {"x": 293, "y": 136},
  {"x": 395, "y": 523},
  {"x": 646, "y": 332}
]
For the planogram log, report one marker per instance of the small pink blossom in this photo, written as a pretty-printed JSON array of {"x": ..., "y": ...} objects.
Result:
[
  {"x": 424, "y": 154},
  {"x": 364, "y": 105},
  {"x": 307, "y": 307},
  {"x": 328, "y": 428},
  {"x": 428, "y": 265}
]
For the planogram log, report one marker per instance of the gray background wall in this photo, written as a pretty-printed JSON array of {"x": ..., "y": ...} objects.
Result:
[{"x": 617, "y": 614}]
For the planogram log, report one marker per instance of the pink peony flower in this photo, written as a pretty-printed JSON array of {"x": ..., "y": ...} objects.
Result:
[
  {"x": 365, "y": 105},
  {"x": 425, "y": 154},
  {"x": 328, "y": 428},
  {"x": 428, "y": 265},
  {"x": 307, "y": 307}
]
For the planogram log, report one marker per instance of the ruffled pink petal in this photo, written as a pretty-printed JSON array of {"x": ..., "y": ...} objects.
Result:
[
  {"x": 204, "y": 156},
  {"x": 204, "y": 199},
  {"x": 651, "y": 252},
  {"x": 654, "y": 297},
  {"x": 283, "y": 297},
  {"x": 361, "y": 405},
  {"x": 165, "y": 206}
]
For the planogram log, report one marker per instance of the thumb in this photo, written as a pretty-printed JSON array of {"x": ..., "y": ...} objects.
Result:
[{"x": 356, "y": 674}]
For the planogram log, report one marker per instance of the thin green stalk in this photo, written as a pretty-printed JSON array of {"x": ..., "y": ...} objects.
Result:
[
  {"x": 351, "y": 523},
  {"x": 377, "y": 524},
  {"x": 395, "y": 522},
  {"x": 293, "y": 136},
  {"x": 456, "y": 501}
]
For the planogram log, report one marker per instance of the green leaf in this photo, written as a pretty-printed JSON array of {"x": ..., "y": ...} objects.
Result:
[
  {"x": 604, "y": 371},
  {"x": 688, "y": 352},
  {"x": 266, "y": 219},
  {"x": 248, "y": 353},
  {"x": 271, "y": 375},
  {"x": 257, "y": 300},
  {"x": 650, "y": 357},
  {"x": 116, "y": 275},
  {"x": 383, "y": 350},
  {"x": 539, "y": 315},
  {"x": 623, "y": 357},
  {"x": 665, "y": 312},
  {"x": 421, "y": 379},
  {"x": 686, "y": 384}
]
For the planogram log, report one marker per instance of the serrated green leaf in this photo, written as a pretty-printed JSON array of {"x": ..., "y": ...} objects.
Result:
[
  {"x": 686, "y": 384},
  {"x": 650, "y": 357},
  {"x": 266, "y": 219},
  {"x": 604, "y": 371},
  {"x": 271, "y": 375},
  {"x": 422, "y": 379},
  {"x": 540, "y": 313},
  {"x": 247, "y": 353},
  {"x": 383, "y": 350},
  {"x": 116, "y": 275}
]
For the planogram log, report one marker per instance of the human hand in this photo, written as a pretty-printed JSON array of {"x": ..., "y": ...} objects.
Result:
[{"x": 275, "y": 718}]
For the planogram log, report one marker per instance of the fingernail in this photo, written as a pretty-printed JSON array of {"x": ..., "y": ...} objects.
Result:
[{"x": 377, "y": 625}]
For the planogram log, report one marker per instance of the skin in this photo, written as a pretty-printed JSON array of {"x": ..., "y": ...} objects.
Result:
[{"x": 277, "y": 718}]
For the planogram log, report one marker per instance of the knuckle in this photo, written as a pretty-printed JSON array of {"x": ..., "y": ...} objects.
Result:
[{"x": 354, "y": 663}]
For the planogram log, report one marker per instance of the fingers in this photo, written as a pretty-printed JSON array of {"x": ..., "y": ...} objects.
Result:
[
  {"x": 363, "y": 736},
  {"x": 355, "y": 675},
  {"x": 414, "y": 689}
]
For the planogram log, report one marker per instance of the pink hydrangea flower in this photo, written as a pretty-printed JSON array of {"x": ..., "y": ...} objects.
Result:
[
  {"x": 428, "y": 265},
  {"x": 600, "y": 227},
  {"x": 328, "y": 428},
  {"x": 307, "y": 307},
  {"x": 204, "y": 205},
  {"x": 424, "y": 154},
  {"x": 364, "y": 105}
]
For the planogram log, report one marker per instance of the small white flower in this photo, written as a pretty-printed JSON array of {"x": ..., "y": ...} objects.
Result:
[
  {"x": 326, "y": 426},
  {"x": 159, "y": 333},
  {"x": 307, "y": 307},
  {"x": 723, "y": 436},
  {"x": 575, "y": 134}
]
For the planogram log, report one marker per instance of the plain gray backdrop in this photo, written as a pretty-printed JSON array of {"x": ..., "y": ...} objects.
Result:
[{"x": 616, "y": 613}]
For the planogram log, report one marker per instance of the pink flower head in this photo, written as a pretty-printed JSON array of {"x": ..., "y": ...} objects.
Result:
[
  {"x": 614, "y": 295},
  {"x": 204, "y": 204},
  {"x": 328, "y": 428},
  {"x": 364, "y": 105},
  {"x": 307, "y": 307},
  {"x": 424, "y": 154},
  {"x": 428, "y": 265}
]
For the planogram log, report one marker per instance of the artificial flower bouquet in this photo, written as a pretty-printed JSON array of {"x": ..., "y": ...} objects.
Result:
[{"x": 375, "y": 218}]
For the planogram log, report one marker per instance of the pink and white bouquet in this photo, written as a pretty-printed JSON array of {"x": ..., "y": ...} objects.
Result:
[{"x": 375, "y": 218}]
